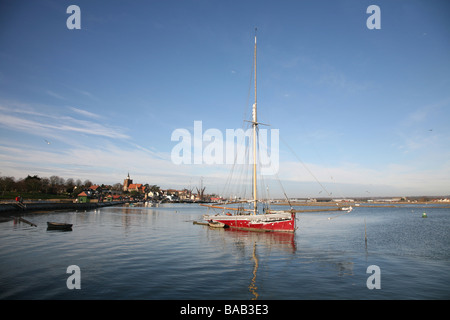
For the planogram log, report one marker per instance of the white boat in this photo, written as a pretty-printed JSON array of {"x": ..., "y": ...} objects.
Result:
[{"x": 216, "y": 224}]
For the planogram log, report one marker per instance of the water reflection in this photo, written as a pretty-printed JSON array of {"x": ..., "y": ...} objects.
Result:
[
  {"x": 261, "y": 244},
  {"x": 136, "y": 215},
  {"x": 321, "y": 261},
  {"x": 344, "y": 268},
  {"x": 252, "y": 287},
  {"x": 50, "y": 230},
  {"x": 270, "y": 240}
]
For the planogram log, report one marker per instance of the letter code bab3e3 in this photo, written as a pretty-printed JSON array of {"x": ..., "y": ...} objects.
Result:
[{"x": 228, "y": 309}]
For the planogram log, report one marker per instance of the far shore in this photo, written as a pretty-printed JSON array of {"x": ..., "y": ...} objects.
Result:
[{"x": 383, "y": 204}]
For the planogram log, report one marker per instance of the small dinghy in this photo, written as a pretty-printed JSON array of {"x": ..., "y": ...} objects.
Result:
[
  {"x": 216, "y": 224},
  {"x": 59, "y": 226}
]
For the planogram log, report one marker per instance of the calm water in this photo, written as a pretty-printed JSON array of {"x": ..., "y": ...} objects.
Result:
[{"x": 158, "y": 253}]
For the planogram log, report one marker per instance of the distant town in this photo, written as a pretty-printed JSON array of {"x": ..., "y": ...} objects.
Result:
[{"x": 55, "y": 187}]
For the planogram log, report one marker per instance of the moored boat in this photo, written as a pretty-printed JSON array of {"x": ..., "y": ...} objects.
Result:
[
  {"x": 281, "y": 222},
  {"x": 216, "y": 224},
  {"x": 59, "y": 226},
  {"x": 253, "y": 219}
]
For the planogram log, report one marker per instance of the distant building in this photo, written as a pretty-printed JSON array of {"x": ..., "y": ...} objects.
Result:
[
  {"x": 95, "y": 187},
  {"x": 127, "y": 182},
  {"x": 128, "y": 185},
  {"x": 136, "y": 187},
  {"x": 83, "y": 197},
  {"x": 114, "y": 197},
  {"x": 94, "y": 190}
]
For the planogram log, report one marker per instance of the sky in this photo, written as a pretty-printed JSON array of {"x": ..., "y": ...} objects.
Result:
[{"x": 360, "y": 112}]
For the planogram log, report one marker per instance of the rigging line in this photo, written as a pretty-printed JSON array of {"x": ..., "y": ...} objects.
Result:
[
  {"x": 304, "y": 165},
  {"x": 332, "y": 179},
  {"x": 239, "y": 172},
  {"x": 244, "y": 125},
  {"x": 245, "y": 171},
  {"x": 233, "y": 172},
  {"x": 278, "y": 178},
  {"x": 284, "y": 192}
]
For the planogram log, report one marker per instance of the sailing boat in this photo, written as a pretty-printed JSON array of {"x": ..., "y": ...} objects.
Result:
[{"x": 252, "y": 219}]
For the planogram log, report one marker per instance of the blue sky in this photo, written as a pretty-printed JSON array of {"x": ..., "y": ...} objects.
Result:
[{"x": 366, "y": 111}]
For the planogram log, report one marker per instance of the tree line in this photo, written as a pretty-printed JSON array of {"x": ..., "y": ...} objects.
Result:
[{"x": 52, "y": 185}]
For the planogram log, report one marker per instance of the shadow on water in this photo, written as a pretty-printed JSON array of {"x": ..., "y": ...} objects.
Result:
[{"x": 51, "y": 230}]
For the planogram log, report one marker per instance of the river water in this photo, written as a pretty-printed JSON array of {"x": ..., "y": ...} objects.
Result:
[{"x": 157, "y": 253}]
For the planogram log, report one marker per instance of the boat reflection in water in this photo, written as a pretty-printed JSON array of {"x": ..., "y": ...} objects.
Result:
[
  {"x": 252, "y": 287},
  {"x": 270, "y": 240},
  {"x": 262, "y": 244}
]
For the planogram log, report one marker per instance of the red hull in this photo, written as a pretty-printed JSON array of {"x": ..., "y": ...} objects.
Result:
[{"x": 244, "y": 223}]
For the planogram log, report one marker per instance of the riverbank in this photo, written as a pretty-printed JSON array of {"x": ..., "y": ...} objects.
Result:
[{"x": 7, "y": 210}]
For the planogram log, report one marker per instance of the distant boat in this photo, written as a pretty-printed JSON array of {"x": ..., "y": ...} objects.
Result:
[{"x": 59, "y": 226}]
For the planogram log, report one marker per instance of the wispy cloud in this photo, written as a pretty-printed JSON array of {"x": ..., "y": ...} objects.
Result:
[
  {"x": 52, "y": 124},
  {"x": 80, "y": 148},
  {"x": 85, "y": 113},
  {"x": 417, "y": 130},
  {"x": 340, "y": 81},
  {"x": 108, "y": 163},
  {"x": 421, "y": 114},
  {"x": 324, "y": 74},
  {"x": 405, "y": 179},
  {"x": 55, "y": 95},
  {"x": 84, "y": 93}
]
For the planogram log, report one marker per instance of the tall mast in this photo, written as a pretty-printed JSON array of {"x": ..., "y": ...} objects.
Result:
[{"x": 255, "y": 124}]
